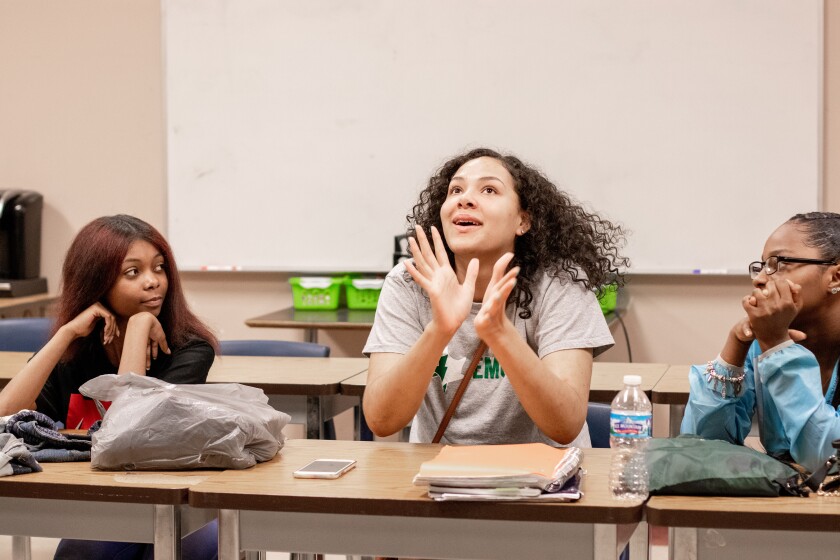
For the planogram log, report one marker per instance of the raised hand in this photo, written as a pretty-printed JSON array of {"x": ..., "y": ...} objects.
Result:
[
  {"x": 770, "y": 311},
  {"x": 84, "y": 323},
  {"x": 157, "y": 341},
  {"x": 491, "y": 317},
  {"x": 144, "y": 339},
  {"x": 451, "y": 300},
  {"x": 742, "y": 331}
]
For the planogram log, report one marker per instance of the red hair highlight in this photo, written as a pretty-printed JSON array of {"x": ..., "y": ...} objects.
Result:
[{"x": 92, "y": 266}]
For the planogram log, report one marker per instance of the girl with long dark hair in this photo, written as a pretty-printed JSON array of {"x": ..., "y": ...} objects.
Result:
[{"x": 121, "y": 310}]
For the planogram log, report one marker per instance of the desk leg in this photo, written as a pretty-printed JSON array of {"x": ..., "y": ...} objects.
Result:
[
  {"x": 682, "y": 543},
  {"x": 675, "y": 416},
  {"x": 357, "y": 422},
  {"x": 21, "y": 548},
  {"x": 167, "y": 532},
  {"x": 639, "y": 543},
  {"x": 314, "y": 418},
  {"x": 610, "y": 540},
  {"x": 361, "y": 431},
  {"x": 228, "y": 534}
]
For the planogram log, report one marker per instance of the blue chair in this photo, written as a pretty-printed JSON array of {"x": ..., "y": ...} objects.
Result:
[
  {"x": 24, "y": 335},
  {"x": 274, "y": 348},
  {"x": 598, "y": 419},
  {"x": 288, "y": 348}
]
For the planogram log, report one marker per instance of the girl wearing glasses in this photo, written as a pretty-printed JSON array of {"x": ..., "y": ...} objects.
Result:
[{"x": 779, "y": 362}]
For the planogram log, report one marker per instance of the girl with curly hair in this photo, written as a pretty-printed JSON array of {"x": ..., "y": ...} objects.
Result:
[
  {"x": 503, "y": 256},
  {"x": 779, "y": 363}
]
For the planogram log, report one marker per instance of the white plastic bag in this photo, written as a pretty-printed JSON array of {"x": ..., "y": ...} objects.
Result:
[{"x": 155, "y": 425}]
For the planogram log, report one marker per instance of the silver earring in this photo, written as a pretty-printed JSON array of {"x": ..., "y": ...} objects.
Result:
[{"x": 834, "y": 290}]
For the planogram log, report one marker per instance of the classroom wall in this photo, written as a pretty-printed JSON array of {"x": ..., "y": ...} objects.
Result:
[
  {"x": 81, "y": 113},
  {"x": 81, "y": 121}
]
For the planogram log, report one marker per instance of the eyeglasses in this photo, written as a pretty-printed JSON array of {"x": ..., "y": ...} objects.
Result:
[{"x": 771, "y": 265}]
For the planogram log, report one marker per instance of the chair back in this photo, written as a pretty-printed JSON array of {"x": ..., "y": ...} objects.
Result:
[
  {"x": 286, "y": 348},
  {"x": 28, "y": 334},
  {"x": 598, "y": 419}
]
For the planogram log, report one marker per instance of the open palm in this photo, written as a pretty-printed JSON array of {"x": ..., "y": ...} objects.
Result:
[
  {"x": 491, "y": 317},
  {"x": 451, "y": 300}
]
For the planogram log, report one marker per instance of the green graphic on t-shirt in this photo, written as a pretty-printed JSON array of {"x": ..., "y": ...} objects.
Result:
[
  {"x": 492, "y": 369},
  {"x": 489, "y": 369},
  {"x": 440, "y": 370}
]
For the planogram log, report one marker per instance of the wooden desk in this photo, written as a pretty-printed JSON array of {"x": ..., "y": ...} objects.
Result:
[
  {"x": 355, "y": 386},
  {"x": 672, "y": 390},
  {"x": 607, "y": 380},
  {"x": 305, "y": 388},
  {"x": 27, "y": 306},
  {"x": 286, "y": 376},
  {"x": 748, "y": 528},
  {"x": 375, "y": 510},
  {"x": 10, "y": 364},
  {"x": 71, "y": 500},
  {"x": 311, "y": 321},
  {"x": 340, "y": 319}
]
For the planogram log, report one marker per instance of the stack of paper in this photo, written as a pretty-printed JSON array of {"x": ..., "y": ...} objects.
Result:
[{"x": 503, "y": 472}]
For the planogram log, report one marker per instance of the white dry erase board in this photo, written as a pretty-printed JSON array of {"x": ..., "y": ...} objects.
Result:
[{"x": 300, "y": 132}]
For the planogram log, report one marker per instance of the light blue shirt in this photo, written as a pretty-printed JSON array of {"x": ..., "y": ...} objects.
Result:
[{"x": 783, "y": 389}]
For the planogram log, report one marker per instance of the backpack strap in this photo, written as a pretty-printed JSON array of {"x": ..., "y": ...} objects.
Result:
[{"x": 482, "y": 346}]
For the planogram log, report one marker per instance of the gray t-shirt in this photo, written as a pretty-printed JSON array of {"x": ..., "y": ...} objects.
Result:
[{"x": 564, "y": 315}]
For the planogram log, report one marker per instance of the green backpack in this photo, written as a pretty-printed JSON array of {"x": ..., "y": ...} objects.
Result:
[{"x": 689, "y": 465}]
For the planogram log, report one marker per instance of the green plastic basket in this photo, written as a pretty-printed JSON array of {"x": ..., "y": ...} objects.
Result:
[
  {"x": 363, "y": 293},
  {"x": 607, "y": 297},
  {"x": 312, "y": 293}
]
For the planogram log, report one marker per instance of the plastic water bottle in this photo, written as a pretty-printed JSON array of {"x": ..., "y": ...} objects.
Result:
[{"x": 630, "y": 430}]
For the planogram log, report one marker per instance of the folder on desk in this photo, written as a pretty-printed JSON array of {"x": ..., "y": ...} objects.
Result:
[{"x": 500, "y": 471}]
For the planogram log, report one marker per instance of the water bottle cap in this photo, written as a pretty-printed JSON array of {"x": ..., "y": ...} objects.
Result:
[{"x": 633, "y": 380}]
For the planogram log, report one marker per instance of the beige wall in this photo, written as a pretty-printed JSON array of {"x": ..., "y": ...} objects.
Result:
[
  {"x": 80, "y": 112},
  {"x": 81, "y": 122}
]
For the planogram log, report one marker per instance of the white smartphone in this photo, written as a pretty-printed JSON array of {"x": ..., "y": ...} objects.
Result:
[{"x": 325, "y": 468}]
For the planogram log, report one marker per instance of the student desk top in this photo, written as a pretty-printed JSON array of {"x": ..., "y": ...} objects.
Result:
[
  {"x": 10, "y": 364},
  {"x": 311, "y": 321},
  {"x": 673, "y": 390},
  {"x": 286, "y": 376},
  {"x": 375, "y": 509},
  {"x": 340, "y": 319},
  {"x": 607, "y": 379},
  {"x": 305, "y": 388},
  {"x": 37, "y": 305},
  {"x": 71, "y": 500},
  {"x": 739, "y": 528},
  {"x": 274, "y": 375}
]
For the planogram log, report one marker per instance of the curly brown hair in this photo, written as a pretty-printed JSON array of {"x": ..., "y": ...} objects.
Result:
[{"x": 564, "y": 238}]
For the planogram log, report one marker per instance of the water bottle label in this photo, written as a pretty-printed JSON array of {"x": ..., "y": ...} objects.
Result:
[{"x": 630, "y": 425}]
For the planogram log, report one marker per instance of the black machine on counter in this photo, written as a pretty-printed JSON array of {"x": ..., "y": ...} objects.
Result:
[{"x": 20, "y": 243}]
